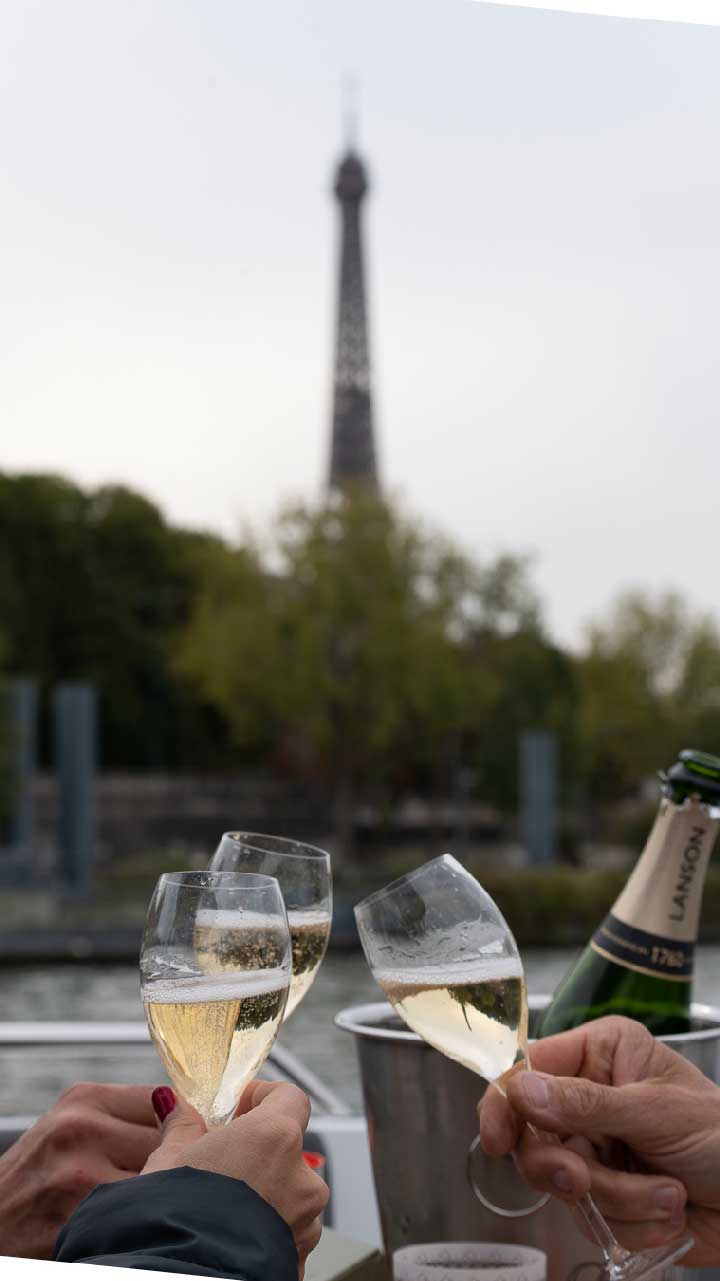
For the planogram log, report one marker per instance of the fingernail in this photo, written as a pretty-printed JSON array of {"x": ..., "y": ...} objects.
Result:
[
  {"x": 668, "y": 1200},
  {"x": 535, "y": 1089},
  {"x": 163, "y": 1101},
  {"x": 563, "y": 1181}
]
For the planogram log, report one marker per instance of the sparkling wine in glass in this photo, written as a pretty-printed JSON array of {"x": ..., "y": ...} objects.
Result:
[
  {"x": 304, "y": 875},
  {"x": 445, "y": 957},
  {"x": 215, "y": 968}
]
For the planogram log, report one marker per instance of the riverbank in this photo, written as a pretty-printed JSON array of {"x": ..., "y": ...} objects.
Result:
[{"x": 553, "y": 906}]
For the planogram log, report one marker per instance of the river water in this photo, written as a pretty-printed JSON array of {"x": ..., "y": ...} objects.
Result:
[{"x": 29, "y": 1082}]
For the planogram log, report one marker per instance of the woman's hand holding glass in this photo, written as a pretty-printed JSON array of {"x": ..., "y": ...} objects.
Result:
[{"x": 262, "y": 1146}]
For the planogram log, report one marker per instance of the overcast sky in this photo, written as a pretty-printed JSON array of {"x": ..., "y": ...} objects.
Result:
[{"x": 544, "y": 259}]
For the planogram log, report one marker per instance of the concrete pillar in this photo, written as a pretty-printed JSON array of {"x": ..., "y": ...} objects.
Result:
[
  {"x": 75, "y": 740},
  {"x": 537, "y": 791},
  {"x": 20, "y": 753}
]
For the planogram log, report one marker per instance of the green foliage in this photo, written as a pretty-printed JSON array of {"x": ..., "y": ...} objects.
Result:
[
  {"x": 357, "y": 649},
  {"x": 545, "y": 907},
  {"x": 533, "y": 688},
  {"x": 369, "y": 620},
  {"x": 557, "y": 906},
  {"x": 648, "y": 685},
  {"x": 367, "y": 656},
  {"x": 94, "y": 586}
]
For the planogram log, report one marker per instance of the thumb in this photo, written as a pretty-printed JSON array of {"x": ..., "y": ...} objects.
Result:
[
  {"x": 180, "y": 1127},
  {"x": 573, "y": 1105}
]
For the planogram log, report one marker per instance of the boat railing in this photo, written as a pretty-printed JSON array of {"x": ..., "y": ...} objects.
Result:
[{"x": 126, "y": 1039}]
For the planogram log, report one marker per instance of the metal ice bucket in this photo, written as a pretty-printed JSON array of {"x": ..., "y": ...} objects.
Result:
[{"x": 421, "y": 1114}]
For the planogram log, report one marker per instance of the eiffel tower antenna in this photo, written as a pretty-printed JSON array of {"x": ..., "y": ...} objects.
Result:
[
  {"x": 351, "y": 112},
  {"x": 352, "y": 448}
]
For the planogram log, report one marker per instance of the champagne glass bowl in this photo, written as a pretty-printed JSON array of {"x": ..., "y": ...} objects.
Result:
[
  {"x": 304, "y": 875},
  {"x": 215, "y": 968}
]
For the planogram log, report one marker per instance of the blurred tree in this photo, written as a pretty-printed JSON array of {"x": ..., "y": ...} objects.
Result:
[
  {"x": 534, "y": 688},
  {"x": 94, "y": 586},
  {"x": 357, "y": 649},
  {"x": 648, "y": 685},
  {"x": 358, "y": 653}
]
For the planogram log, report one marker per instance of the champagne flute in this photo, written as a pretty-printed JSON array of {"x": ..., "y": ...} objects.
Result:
[
  {"x": 305, "y": 878},
  {"x": 446, "y": 959},
  {"x": 215, "y": 966}
]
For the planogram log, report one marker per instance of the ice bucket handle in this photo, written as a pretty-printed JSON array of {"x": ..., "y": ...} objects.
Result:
[{"x": 497, "y": 1209}]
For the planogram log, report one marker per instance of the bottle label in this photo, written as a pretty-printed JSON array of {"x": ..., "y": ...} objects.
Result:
[
  {"x": 647, "y": 953},
  {"x": 653, "y": 925}
]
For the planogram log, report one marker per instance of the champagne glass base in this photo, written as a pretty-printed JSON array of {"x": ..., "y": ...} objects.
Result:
[
  {"x": 647, "y": 1263},
  {"x": 501, "y": 1211}
]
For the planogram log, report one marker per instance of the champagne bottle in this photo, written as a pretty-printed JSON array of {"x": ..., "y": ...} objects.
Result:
[{"x": 640, "y": 961}]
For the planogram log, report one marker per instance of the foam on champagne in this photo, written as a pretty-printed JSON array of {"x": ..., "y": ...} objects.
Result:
[
  {"x": 475, "y": 969},
  {"x": 238, "y": 918},
  {"x": 308, "y": 918},
  {"x": 212, "y": 987},
  {"x": 473, "y": 1011}
]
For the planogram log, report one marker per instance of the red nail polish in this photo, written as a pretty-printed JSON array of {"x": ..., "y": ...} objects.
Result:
[{"x": 163, "y": 1101}]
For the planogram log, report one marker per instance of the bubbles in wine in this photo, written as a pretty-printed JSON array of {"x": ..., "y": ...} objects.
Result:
[
  {"x": 213, "y": 1033},
  {"x": 475, "y": 1012}
]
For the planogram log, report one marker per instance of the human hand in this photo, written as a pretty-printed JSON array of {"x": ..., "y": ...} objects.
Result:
[
  {"x": 93, "y": 1134},
  {"x": 262, "y": 1145},
  {"x": 641, "y": 1127}
]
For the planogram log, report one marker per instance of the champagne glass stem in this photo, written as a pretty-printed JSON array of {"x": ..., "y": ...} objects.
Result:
[{"x": 614, "y": 1253}]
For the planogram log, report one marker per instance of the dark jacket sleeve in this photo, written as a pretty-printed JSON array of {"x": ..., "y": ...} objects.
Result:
[{"x": 181, "y": 1220}]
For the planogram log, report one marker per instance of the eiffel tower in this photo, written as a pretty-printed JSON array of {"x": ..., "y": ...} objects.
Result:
[{"x": 352, "y": 452}]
